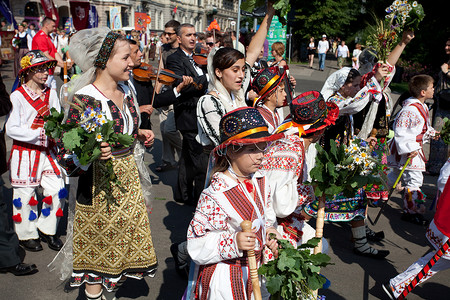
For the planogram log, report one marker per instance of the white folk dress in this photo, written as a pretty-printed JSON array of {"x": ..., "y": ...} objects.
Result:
[{"x": 211, "y": 238}]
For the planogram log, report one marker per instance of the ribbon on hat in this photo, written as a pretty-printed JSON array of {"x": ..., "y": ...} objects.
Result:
[
  {"x": 290, "y": 124},
  {"x": 268, "y": 85},
  {"x": 246, "y": 133}
]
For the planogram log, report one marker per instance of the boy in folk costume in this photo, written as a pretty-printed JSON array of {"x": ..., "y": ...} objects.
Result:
[
  {"x": 237, "y": 192},
  {"x": 32, "y": 161},
  {"x": 269, "y": 84},
  {"x": 285, "y": 166},
  {"x": 412, "y": 128}
]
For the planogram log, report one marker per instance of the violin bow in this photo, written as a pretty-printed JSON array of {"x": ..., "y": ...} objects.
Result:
[{"x": 156, "y": 80}]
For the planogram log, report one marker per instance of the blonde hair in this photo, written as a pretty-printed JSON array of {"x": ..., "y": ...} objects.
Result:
[{"x": 279, "y": 48}]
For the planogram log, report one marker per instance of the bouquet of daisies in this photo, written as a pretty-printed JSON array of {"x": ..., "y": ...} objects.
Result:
[
  {"x": 84, "y": 138},
  {"x": 345, "y": 169}
]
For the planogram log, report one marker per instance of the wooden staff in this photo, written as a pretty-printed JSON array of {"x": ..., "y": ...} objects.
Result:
[
  {"x": 319, "y": 224},
  {"x": 65, "y": 82},
  {"x": 247, "y": 227},
  {"x": 390, "y": 193}
]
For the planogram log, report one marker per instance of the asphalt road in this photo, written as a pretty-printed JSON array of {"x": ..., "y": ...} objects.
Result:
[{"x": 351, "y": 276}]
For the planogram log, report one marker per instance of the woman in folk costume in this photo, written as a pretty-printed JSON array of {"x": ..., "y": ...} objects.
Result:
[
  {"x": 343, "y": 89},
  {"x": 111, "y": 231},
  {"x": 285, "y": 166},
  {"x": 33, "y": 161},
  {"x": 438, "y": 233},
  {"x": 237, "y": 192},
  {"x": 269, "y": 84},
  {"x": 229, "y": 75}
]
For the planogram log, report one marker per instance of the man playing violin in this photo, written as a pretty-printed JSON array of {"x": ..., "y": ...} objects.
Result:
[
  {"x": 143, "y": 88},
  {"x": 193, "y": 162}
]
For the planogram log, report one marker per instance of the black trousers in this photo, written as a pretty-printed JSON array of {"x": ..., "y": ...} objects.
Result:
[
  {"x": 9, "y": 243},
  {"x": 192, "y": 169}
]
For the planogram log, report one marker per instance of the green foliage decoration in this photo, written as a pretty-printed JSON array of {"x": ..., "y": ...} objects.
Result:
[{"x": 294, "y": 274}]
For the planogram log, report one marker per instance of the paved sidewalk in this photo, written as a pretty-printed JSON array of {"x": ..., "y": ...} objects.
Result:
[{"x": 351, "y": 276}]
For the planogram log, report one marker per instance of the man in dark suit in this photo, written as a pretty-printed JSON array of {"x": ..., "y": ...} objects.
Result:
[
  {"x": 193, "y": 161},
  {"x": 9, "y": 243}
]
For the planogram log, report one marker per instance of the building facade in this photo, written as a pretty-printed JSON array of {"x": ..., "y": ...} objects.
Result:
[{"x": 200, "y": 13}]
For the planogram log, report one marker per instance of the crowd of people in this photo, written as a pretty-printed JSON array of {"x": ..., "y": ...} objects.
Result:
[{"x": 223, "y": 128}]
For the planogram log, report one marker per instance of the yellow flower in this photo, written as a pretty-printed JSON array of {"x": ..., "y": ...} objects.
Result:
[
  {"x": 25, "y": 62},
  {"x": 363, "y": 155}
]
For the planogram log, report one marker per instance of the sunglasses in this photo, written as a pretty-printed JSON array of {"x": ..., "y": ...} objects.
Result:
[
  {"x": 169, "y": 33},
  {"x": 210, "y": 44}
]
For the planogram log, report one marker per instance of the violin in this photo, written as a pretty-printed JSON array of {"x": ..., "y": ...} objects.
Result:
[
  {"x": 144, "y": 73},
  {"x": 168, "y": 77},
  {"x": 201, "y": 59}
]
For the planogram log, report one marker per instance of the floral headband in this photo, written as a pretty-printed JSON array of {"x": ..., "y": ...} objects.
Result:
[{"x": 105, "y": 50}]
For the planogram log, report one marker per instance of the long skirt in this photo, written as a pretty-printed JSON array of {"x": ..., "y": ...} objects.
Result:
[
  {"x": 341, "y": 208},
  {"x": 113, "y": 239}
]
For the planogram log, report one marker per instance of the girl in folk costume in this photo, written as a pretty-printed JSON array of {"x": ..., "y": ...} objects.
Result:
[
  {"x": 110, "y": 243},
  {"x": 269, "y": 84},
  {"x": 412, "y": 128},
  {"x": 438, "y": 234},
  {"x": 33, "y": 161},
  {"x": 229, "y": 73},
  {"x": 237, "y": 192},
  {"x": 285, "y": 167}
]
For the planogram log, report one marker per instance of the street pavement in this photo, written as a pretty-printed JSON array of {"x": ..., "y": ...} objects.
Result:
[{"x": 351, "y": 276}]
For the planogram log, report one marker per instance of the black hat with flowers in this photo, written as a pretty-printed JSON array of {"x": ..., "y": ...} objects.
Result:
[
  {"x": 35, "y": 59},
  {"x": 242, "y": 126},
  {"x": 266, "y": 81},
  {"x": 312, "y": 112}
]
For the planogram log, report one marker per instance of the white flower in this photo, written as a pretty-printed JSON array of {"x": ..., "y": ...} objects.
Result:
[
  {"x": 358, "y": 160},
  {"x": 414, "y": 4},
  {"x": 99, "y": 137}
]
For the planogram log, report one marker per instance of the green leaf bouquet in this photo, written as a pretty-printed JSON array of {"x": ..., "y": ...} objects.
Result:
[
  {"x": 345, "y": 169},
  {"x": 84, "y": 138},
  {"x": 294, "y": 274}
]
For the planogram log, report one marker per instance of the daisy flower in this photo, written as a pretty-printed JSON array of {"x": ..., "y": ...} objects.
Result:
[{"x": 99, "y": 137}]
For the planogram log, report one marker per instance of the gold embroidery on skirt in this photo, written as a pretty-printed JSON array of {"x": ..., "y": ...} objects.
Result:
[{"x": 112, "y": 240}]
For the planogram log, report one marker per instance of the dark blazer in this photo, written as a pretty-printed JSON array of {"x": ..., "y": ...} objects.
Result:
[
  {"x": 5, "y": 107},
  {"x": 186, "y": 104},
  {"x": 9, "y": 243}
]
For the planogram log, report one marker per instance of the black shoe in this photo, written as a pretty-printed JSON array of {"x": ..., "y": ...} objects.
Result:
[
  {"x": 374, "y": 236},
  {"x": 181, "y": 268},
  {"x": 20, "y": 269},
  {"x": 417, "y": 219},
  {"x": 388, "y": 290},
  {"x": 381, "y": 254},
  {"x": 52, "y": 241},
  {"x": 31, "y": 245}
]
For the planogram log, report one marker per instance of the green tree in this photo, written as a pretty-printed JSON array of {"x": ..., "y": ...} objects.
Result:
[{"x": 332, "y": 17}]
